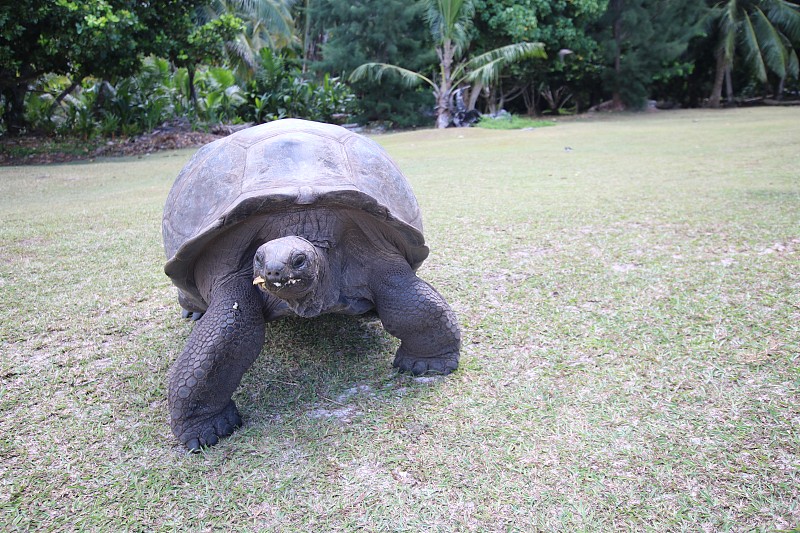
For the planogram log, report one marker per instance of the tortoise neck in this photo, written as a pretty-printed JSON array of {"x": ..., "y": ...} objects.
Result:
[{"x": 319, "y": 226}]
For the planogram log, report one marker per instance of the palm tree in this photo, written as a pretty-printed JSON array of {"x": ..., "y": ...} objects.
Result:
[
  {"x": 267, "y": 23},
  {"x": 766, "y": 31},
  {"x": 450, "y": 21}
]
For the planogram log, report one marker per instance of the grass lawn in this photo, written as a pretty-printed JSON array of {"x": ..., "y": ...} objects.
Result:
[
  {"x": 629, "y": 293},
  {"x": 512, "y": 122}
]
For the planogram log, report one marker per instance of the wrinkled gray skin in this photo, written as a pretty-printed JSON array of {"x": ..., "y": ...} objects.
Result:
[{"x": 304, "y": 258}]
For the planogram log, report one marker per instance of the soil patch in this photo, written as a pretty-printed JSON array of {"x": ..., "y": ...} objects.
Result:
[{"x": 40, "y": 150}]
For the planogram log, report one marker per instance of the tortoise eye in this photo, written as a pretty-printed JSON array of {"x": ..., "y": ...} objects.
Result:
[{"x": 299, "y": 261}]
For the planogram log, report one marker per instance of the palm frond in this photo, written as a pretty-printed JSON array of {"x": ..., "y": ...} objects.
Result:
[
  {"x": 508, "y": 53},
  {"x": 786, "y": 16},
  {"x": 773, "y": 45},
  {"x": 376, "y": 71},
  {"x": 728, "y": 42},
  {"x": 276, "y": 12},
  {"x": 486, "y": 67},
  {"x": 793, "y": 65},
  {"x": 486, "y": 74},
  {"x": 222, "y": 77},
  {"x": 271, "y": 16},
  {"x": 752, "y": 49},
  {"x": 241, "y": 56},
  {"x": 728, "y": 15},
  {"x": 450, "y": 20},
  {"x": 277, "y": 16}
]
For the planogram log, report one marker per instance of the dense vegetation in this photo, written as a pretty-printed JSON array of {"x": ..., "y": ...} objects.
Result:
[{"x": 119, "y": 67}]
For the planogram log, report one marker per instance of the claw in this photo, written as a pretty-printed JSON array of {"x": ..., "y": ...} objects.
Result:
[
  {"x": 434, "y": 366},
  {"x": 193, "y": 315},
  {"x": 193, "y": 446}
]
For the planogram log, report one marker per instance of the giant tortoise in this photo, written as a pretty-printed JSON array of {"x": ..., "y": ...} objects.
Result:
[{"x": 291, "y": 218}]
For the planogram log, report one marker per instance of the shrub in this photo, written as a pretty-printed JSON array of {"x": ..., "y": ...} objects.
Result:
[{"x": 279, "y": 90}]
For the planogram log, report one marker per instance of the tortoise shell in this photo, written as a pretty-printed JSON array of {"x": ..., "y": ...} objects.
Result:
[{"x": 279, "y": 167}]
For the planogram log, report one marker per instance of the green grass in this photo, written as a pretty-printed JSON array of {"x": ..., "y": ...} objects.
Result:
[
  {"x": 512, "y": 122},
  {"x": 631, "y": 361}
]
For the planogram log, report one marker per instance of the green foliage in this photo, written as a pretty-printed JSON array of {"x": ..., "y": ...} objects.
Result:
[
  {"x": 130, "y": 106},
  {"x": 102, "y": 38},
  {"x": 68, "y": 37},
  {"x": 221, "y": 95},
  {"x": 390, "y": 31},
  {"x": 642, "y": 40},
  {"x": 449, "y": 21},
  {"x": 559, "y": 25},
  {"x": 280, "y": 90},
  {"x": 69, "y": 65},
  {"x": 41, "y": 106},
  {"x": 764, "y": 33},
  {"x": 158, "y": 94},
  {"x": 266, "y": 23},
  {"x": 205, "y": 43}
]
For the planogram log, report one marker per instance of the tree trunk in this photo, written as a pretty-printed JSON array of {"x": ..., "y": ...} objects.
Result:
[
  {"x": 474, "y": 94},
  {"x": 616, "y": 96},
  {"x": 728, "y": 86},
  {"x": 192, "y": 91},
  {"x": 443, "y": 100},
  {"x": 66, "y": 92},
  {"x": 494, "y": 101},
  {"x": 442, "y": 111},
  {"x": 529, "y": 98},
  {"x": 779, "y": 91},
  {"x": 719, "y": 78},
  {"x": 14, "y": 112},
  {"x": 306, "y": 33}
]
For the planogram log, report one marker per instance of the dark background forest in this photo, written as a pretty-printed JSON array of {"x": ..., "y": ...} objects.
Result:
[{"x": 106, "y": 68}]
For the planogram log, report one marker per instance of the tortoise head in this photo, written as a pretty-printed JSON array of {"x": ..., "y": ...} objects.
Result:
[{"x": 289, "y": 268}]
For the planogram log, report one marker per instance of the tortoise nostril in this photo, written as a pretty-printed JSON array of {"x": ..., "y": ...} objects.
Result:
[{"x": 273, "y": 270}]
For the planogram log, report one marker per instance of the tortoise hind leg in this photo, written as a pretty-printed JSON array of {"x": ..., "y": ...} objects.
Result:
[
  {"x": 220, "y": 349},
  {"x": 414, "y": 312}
]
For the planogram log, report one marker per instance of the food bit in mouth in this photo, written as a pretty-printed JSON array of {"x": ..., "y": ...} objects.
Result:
[
  {"x": 291, "y": 281},
  {"x": 261, "y": 282}
]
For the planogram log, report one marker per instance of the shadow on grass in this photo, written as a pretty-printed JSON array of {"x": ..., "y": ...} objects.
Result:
[{"x": 321, "y": 368}]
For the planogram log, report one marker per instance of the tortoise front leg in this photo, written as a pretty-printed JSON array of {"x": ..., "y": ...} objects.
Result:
[
  {"x": 415, "y": 313},
  {"x": 220, "y": 349}
]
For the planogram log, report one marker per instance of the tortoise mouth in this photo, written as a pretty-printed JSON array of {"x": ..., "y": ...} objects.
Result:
[{"x": 282, "y": 286}]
